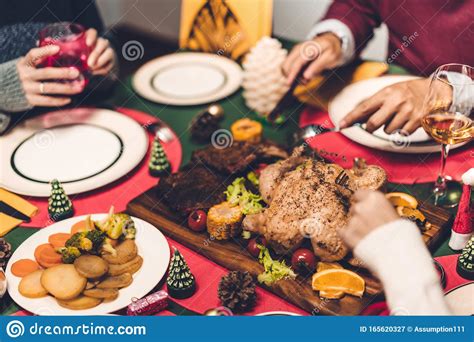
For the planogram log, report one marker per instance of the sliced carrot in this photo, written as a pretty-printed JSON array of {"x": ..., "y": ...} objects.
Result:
[
  {"x": 50, "y": 256},
  {"x": 40, "y": 249},
  {"x": 23, "y": 267},
  {"x": 59, "y": 239},
  {"x": 79, "y": 227},
  {"x": 46, "y": 264}
]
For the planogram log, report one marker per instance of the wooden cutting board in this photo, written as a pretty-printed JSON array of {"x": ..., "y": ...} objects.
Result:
[{"x": 233, "y": 255}]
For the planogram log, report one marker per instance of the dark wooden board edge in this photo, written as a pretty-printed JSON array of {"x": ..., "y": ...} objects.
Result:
[{"x": 299, "y": 292}]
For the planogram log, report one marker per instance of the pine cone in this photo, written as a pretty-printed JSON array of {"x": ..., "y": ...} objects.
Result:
[
  {"x": 237, "y": 291},
  {"x": 5, "y": 252}
]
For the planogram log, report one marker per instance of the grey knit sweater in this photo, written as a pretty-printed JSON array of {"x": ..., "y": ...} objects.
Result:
[{"x": 12, "y": 96}]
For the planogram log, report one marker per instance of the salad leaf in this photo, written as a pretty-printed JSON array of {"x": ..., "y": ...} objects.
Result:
[
  {"x": 253, "y": 178},
  {"x": 237, "y": 194},
  {"x": 274, "y": 270}
]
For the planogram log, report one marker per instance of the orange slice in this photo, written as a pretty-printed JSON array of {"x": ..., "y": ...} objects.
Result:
[
  {"x": 401, "y": 199},
  {"x": 339, "y": 280},
  {"x": 410, "y": 213},
  {"x": 323, "y": 266},
  {"x": 331, "y": 294}
]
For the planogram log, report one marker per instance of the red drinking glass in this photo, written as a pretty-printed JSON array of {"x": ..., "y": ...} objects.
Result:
[{"x": 73, "y": 50}]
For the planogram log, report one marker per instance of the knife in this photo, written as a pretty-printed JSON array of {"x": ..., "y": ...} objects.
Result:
[
  {"x": 9, "y": 210},
  {"x": 288, "y": 98}
]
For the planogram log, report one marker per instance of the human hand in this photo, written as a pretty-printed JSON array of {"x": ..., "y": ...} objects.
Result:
[
  {"x": 398, "y": 107},
  {"x": 324, "y": 51},
  {"x": 369, "y": 211},
  {"x": 102, "y": 57},
  {"x": 39, "y": 83}
]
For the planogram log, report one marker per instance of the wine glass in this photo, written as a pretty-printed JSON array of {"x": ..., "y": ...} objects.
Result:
[
  {"x": 447, "y": 111},
  {"x": 73, "y": 50}
]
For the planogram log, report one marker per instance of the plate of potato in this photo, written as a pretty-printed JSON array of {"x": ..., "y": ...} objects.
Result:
[{"x": 87, "y": 265}]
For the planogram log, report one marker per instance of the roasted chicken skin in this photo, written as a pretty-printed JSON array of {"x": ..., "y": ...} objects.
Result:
[{"x": 305, "y": 202}]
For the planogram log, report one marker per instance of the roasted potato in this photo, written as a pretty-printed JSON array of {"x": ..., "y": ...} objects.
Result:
[
  {"x": 80, "y": 303},
  {"x": 106, "y": 294},
  {"x": 126, "y": 251},
  {"x": 63, "y": 281},
  {"x": 130, "y": 267},
  {"x": 30, "y": 285},
  {"x": 91, "y": 266},
  {"x": 119, "y": 281}
]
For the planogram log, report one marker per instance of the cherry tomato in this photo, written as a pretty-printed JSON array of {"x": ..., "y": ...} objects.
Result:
[
  {"x": 303, "y": 261},
  {"x": 197, "y": 220},
  {"x": 252, "y": 246}
]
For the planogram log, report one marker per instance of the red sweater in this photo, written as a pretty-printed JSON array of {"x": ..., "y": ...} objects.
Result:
[{"x": 423, "y": 34}]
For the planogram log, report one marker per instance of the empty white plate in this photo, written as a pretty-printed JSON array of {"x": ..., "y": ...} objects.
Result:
[
  {"x": 187, "y": 78},
  {"x": 84, "y": 148},
  {"x": 353, "y": 94}
]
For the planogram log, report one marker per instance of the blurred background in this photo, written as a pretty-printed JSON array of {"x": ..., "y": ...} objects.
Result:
[{"x": 160, "y": 19}]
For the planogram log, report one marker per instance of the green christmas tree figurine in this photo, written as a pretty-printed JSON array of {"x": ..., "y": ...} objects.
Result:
[
  {"x": 59, "y": 204},
  {"x": 181, "y": 283},
  {"x": 159, "y": 164},
  {"x": 465, "y": 265}
]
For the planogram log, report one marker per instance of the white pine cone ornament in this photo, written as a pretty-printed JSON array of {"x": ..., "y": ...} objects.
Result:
[{"x": 264, "y": 83}]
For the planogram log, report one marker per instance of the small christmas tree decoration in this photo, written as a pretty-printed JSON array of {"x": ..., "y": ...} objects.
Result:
[
  {"x": 237, "y": 291},
  {"x": 465, "y": 266},
  {"x": 180, "y": 282},
  {"x": 159, "y": 164},
  {"x": 5, "y": 252},
  {"x": 462, "y": 228},
  {"x": 59, "y": 204}
]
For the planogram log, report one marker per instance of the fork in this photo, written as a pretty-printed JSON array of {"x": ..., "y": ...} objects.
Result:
[{"x": 342, "y": 179}]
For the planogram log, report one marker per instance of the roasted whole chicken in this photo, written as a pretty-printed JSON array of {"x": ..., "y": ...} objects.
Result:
[{"x": 308, "y": 198}]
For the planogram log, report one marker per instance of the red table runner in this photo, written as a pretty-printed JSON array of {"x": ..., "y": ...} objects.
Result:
[{"x": 401, "y": 168}]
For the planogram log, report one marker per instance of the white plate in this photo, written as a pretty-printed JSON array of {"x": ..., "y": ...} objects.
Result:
[
  {"x": 152, "y": 246},
  {"x": 353, "y": 94},
  {"x": 278, "y": 313},
  {"x": 461, "y": 300},
  {"x": 187, "y": 78},
  {"x": 84, "y": 148}
]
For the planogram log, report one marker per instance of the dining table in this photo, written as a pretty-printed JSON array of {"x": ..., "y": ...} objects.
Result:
[{"x": 207, "y": 272}]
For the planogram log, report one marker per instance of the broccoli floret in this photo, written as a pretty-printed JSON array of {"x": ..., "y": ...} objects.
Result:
[
  {"x": 69, "y": 254},
  {"x": 108, "y": 248},
  {"x": 97, "y": 238},
  {"x": 118, "y": 226},
  {"x": 80, "y": 241}
]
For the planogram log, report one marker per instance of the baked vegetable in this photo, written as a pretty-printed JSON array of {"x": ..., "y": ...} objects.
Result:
[
  {"x": 69, "y": 254},
  {"x": 117, "y": 226},
  {"x": 223, "y": 221},
  {"x": 247, "y": 130}
]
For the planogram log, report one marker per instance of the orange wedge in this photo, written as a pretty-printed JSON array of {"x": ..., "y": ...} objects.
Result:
[
  {"x": 339, "y": 280},
  {"x": 331, "y": 294},
  {"x": 323, "y": 266},
  {"x": 401, "y": 199},
  {"x": 410, "y": 213}
]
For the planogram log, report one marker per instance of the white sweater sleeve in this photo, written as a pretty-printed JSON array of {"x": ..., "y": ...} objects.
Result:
[
  {"x": 342, "y": 31},
  {"x": 396, "y": 253}
]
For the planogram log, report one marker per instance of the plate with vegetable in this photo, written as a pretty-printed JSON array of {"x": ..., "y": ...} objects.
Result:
[{"x": 87, "y": 265}]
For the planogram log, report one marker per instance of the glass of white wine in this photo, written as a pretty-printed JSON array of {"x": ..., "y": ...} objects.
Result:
[{"x": 448, "y": 108}]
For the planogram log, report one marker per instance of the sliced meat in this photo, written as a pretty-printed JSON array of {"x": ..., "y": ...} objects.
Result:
[{"x": 194, "y": 187}]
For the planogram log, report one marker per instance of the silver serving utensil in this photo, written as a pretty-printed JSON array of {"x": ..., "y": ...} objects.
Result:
[
  {"x": 3, "y": 283},
  {"x": 313, "y": 130},
  {"x": 161, "y": 131}
]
